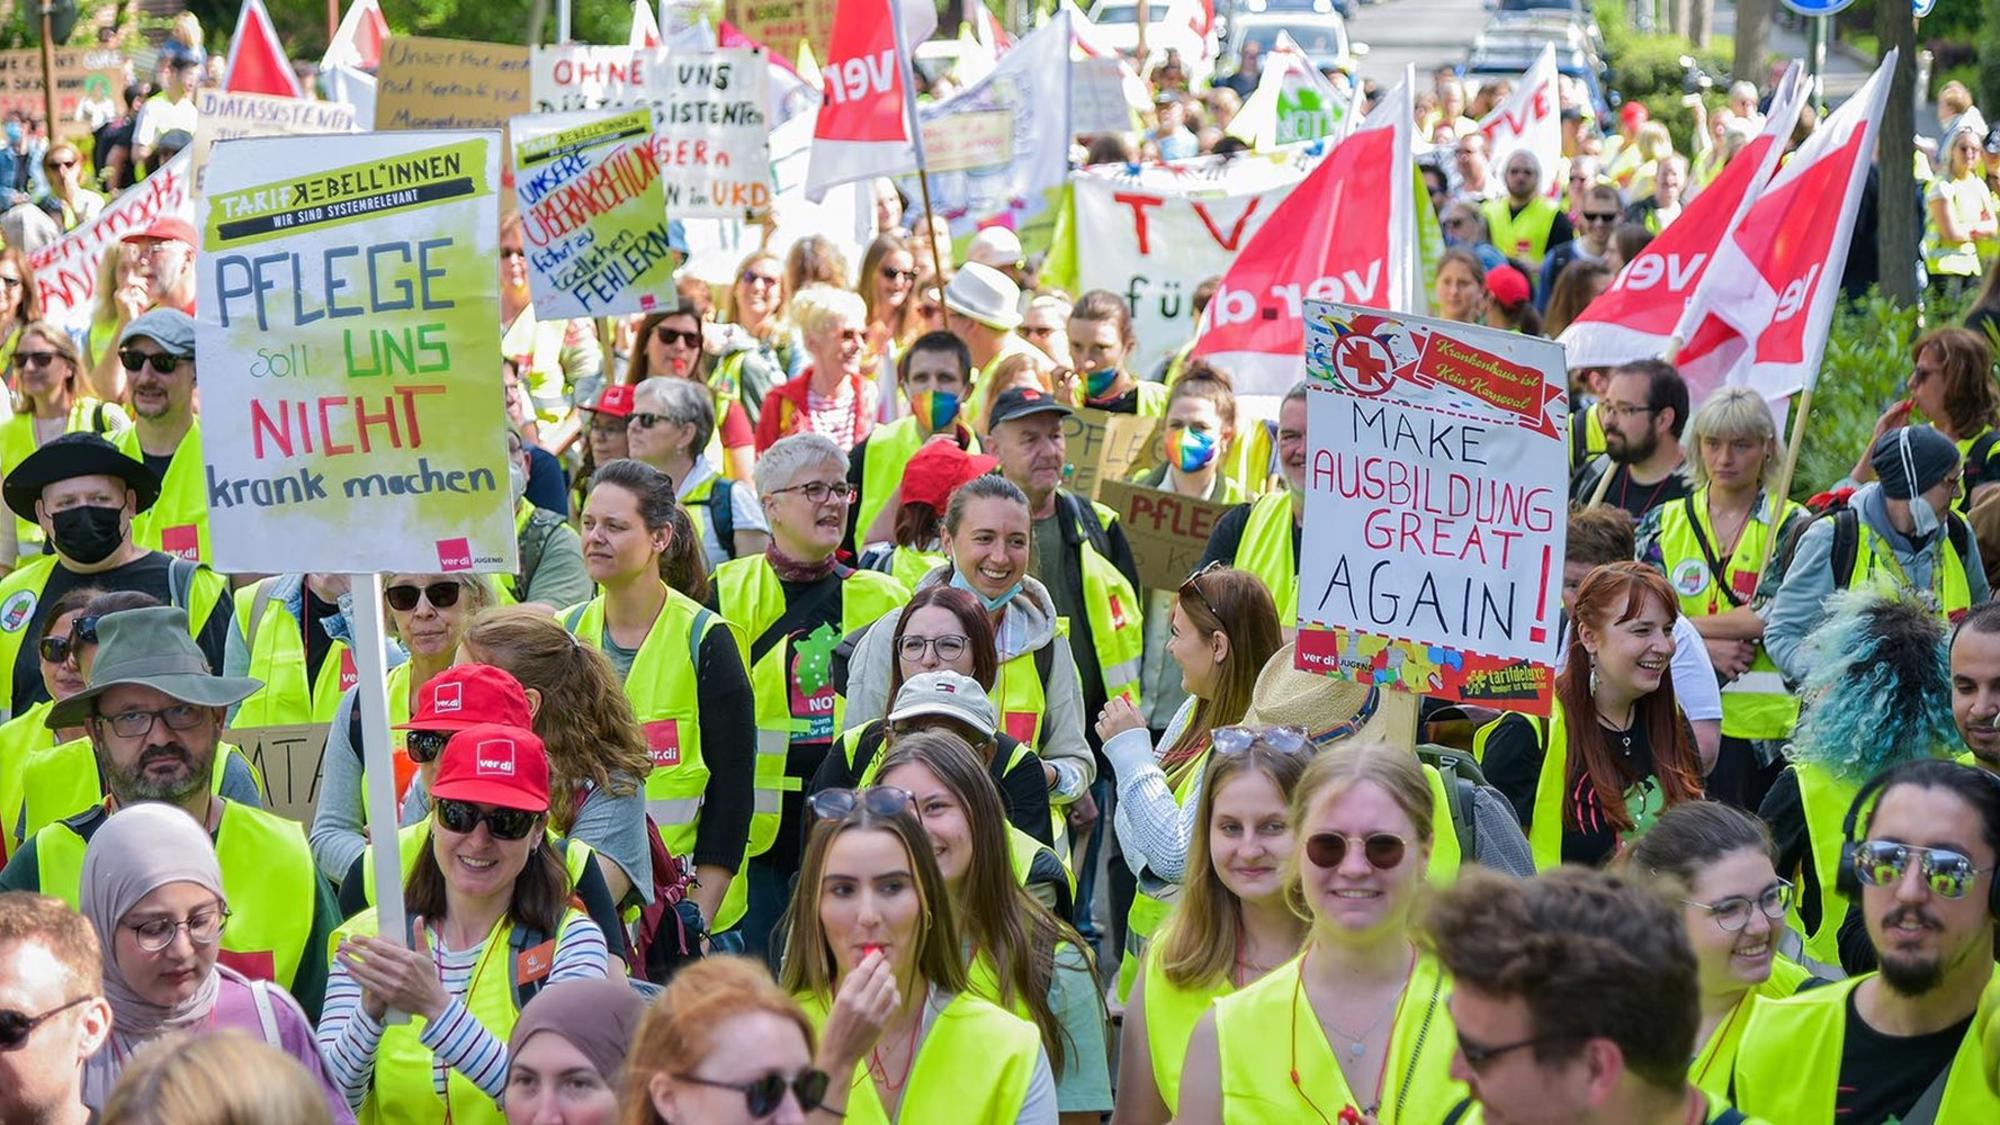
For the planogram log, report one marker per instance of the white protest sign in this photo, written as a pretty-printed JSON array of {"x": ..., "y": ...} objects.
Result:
[
  {"x": 592, "y": 215},
  {"x": 715, "y": 137},
  {"x": 577, "y": 76},
  {"x": 347, "y": 343},
  {"x": 226, "y": 116},
  {"x": 1436, "y": 501},
  {"x": 66, "y": 270}
]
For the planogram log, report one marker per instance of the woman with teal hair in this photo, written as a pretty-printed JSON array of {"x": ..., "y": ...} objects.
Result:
[{"x": 1879, "y": 694}]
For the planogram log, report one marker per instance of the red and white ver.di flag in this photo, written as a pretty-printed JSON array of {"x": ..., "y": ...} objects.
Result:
[
  {"x": 1530, "y": 118},
  {"x": 867, "y": 110},
  {"x": 1760, "y": 317}
]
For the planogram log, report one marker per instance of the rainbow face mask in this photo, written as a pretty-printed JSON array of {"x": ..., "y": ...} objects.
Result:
[
  {"x": 1190, "y": 450},
  {"x": 1098, "y": 382},
  {"x": 937, "y": 409}
]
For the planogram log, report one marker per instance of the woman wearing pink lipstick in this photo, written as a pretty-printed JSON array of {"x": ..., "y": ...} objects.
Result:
[
  {"x": 1719, "y": 861},
  {"x": 670, "y": 347}
]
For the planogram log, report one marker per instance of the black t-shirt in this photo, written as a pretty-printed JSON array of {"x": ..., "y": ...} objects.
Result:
[
  {"x": 1513, "y": 765},
  {"x": 1127, "y": 403},
  {"x": 317, "y": 643},
  {"x": 147, "y": 574},
  {"x": 158, "y": 462},
  {"x": 1882, "y": 1076},
  {"x": 1638, "y": 499}
]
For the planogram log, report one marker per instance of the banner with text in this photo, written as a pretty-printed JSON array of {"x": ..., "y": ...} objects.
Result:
[
  {"x": 781, "y": 24},
  {"x": 714, "y": 146},
  {"x": 1168, "y": 531},
  {"x": 346, "y": 342},
  {"x": 226, "y": 117},
  {"x": 67, "y": 270},
  {"x": 1436, "y": 501},
  {"x": 91, "y": 77},
  {"x": 1530, "y": 119},
  {"x": 289, "y": 759},
  {"x": 592, "y": 213},
  {"x": 449, "y": 84}
]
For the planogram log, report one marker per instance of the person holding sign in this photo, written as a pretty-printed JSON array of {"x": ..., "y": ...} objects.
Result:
[
  {"x": 830, "y": 397},
  {"x": 1360, "y": 1015},
  {"x": 791, "y": 606},
  {"x": 1101, "y": 342},
  {"x": 87, "y": 496},
  {"x": 491, "y": 923},
  {"x": 157, "y": 353},
  {"x": 48, "y": 402},
  {"x": 672, "y": 422},
  {"x": 934, "y": 376},
  {"x": 1614, "y": 751},
  {"x": 154, "y": 713},
  {"x": 684, "y": 675},
  {"x": 1262, "y": 537}
]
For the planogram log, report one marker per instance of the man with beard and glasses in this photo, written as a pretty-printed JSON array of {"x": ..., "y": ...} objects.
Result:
[
  {"x": 157, "y": 354},
  {"x": 1901, "y": 1044},
  {"x": 154, "y": 714},
  {"x": 87, "y": 497},
  {"x": 1645, "y": 409}
]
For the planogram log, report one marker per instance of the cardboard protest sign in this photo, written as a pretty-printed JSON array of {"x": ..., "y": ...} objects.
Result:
[
  {"x": 1168, "y": 531},
  {"x": 96, "y": 75},
  {"x": 715, "y": 138},
  {"x": 288, "y": 758},
  {"x": 592, "y": 213},
  {"x": 66, "y": 270},
  {"x": 449, "y": 84},
  {"x": 1436, "y": 501},
  {"x": 226, "y": 116},
  {"x": 347, "y": 345},
  {"x": 1107, "y": 447},
  {"x": 781, "y": 24}
]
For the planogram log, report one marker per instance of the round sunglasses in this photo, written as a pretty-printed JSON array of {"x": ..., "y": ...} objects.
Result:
[
  {"x": 763, "y": 1096},
  {"x": 1382, "y": 850},
  {"x": 442, "y": 595}
]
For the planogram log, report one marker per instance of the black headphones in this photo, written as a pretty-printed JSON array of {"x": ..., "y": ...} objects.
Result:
[{"x": 1847, "y": 880}]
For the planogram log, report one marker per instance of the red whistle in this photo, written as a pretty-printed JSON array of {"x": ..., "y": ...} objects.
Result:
[
  {"x": 1350, "y": 1116},
  {"x": 876, "y": 947}
]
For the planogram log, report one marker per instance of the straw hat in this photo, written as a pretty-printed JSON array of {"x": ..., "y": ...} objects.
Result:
[{"x": 1329, "y": 709}]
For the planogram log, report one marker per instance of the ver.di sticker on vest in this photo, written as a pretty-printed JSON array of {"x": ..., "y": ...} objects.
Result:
[{"x": 809, "y": 683}]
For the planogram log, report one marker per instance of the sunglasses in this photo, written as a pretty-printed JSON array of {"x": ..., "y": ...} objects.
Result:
[
  {"x": 1733, "y": 913},
  {"x": 646, "y": 421},
  {"x": 763, "y": 1096},
  {"x": 1600, "y": 216},
  {"x": 761, "y": 279},
  {"x": 10, "y": 282},
  {"x": 26, "y": 360},
  {"x": 667, "y": 336},
  {"x": 889, "y": 274},
  {"x": 464, "y": 817},
  {"x": 15, "y": 1027},
  {"x": 58, "y": 649},
  {"x": 1231, "y": 741},
  {"x": 441, "y": 595},
  {"x": 134, "y": 360},
  {"x": 512, "y": 252},
  {"x": 1383, "y": 850},
  {"x": 64, "y": 165},
  {"x": 1882, "y": 863},
  {"x": 1477, "y": 1055},
  {"x": 1193, "y": 586},
  {"x": 425, "y": 745},
  {"x": 876, "y": 800}
]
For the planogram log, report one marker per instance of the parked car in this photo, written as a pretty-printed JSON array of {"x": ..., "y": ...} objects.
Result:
[{"x": 1322, "y": 36}]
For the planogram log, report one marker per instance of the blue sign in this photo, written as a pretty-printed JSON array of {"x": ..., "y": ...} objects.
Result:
[
  {"x": 1821, "y": 7},
  {"x": 1922, "y": 8}
]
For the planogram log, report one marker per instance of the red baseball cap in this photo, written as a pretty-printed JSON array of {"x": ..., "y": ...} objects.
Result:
[
  {"x": 1508, "y": 286},
  {"x": 938, "y": 469},
  {"x": 614, "y": 400},
  {"x": 469, "y": 695},
  {"x": 494, "y": 764},
  {"x": 1634, "y": 113},
  {"x": 166, "y": 227}
]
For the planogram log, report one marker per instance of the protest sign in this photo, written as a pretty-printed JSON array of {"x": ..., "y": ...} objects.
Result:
[
  {"x": 1097, "y": 96},
  {"x": 1168, "y": 531},
  {"x": 579, "y": 76},
  {"x": 288, "y": 758},
  {"x": 1436, "y": 500},
  {"x": 226, "y": 116},
  {"x": 1105, "y": 447},
  {"x": 80, "y": 75},
  {"x": 592, "y": 214},
  {"x": 715, "y": 138},
  {"x": 1293, "y": 101},
  {"x": 347, "y": 346},
  {"x": 66, "y": 270},
  {"x": 450, "y": 84},
  {"x": 781, "y": 24}
]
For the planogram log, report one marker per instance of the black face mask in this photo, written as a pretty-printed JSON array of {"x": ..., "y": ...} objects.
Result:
[{"x": 88, "y": 534}]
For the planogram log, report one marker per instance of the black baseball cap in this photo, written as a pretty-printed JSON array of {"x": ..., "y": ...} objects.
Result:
[{"x": 1020, "y": 402}]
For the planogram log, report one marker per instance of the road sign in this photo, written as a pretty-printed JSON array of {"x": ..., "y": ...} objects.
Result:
[{"x": 1821, "y": 7}]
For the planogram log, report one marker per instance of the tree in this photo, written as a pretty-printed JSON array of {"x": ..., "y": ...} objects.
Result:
[
  {"x": 1753, "y": 40},
  {"x": 1989, "y": 52},
  {"x": 1897, "y": 215}
]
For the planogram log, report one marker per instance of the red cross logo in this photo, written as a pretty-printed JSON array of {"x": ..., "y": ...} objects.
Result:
[{"x": 1363, "y": 364}]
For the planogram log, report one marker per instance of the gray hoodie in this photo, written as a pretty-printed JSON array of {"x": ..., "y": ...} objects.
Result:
[{"x": 1027, "y": 624}]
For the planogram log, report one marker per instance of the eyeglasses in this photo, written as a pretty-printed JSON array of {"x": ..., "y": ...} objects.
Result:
[
  {"x": 15, "y": 1027},
  {"x": 876, "y": 800},
  {"x": 137, "y": 724},
  {"x": 889, "y": 274},
  {"x": 1600, "y": 216},
  {"x": 819, "y": 491},
  {"x": 161, "y": 362},
  {"x": 10, "y": 282},
  {"x": 763, "y": 1096},
  {"x": 668, "y": 336},
  {"x": 1881, "y": 863},
  {"x": 425, "y": 745},
  {"x": 1625, "y": 410},
  {"x": 441, "y": 595},
  {"x": 26, "y": 360},
  {"x": 1733, "y": 913},
  {"x": 1383, "y": 850},
  {"x": 512, "y": 252},
  {"x": 464, "y": 817},
  {"x": 1478, "y": 1055},
  {"x": 204, "y": 927},
  {"x": 63, "y": 165},
  {"x": 948, "y": 646},
  {"x": 1231, "y": 741}
]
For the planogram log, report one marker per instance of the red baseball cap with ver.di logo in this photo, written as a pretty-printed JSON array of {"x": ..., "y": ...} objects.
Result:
[
  {"x": 468, "y": 695},
  {"x": 494, "y": 764}
]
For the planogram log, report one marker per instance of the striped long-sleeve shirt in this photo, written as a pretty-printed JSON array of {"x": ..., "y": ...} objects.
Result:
[{"x": 348, "y": 1036}]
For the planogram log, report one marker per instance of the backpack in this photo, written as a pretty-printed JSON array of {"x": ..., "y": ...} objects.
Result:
[
  {"x": 1462, "y": 779},
  {"x": 721, "y": 506},
  {"x": 534, "y": 543},
  {"x": 1847, "y": 534}
]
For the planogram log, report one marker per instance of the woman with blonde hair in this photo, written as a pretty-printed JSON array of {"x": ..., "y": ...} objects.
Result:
[
  {"x": 759, "y": 349},
  {"x": 831, "y": 396},
  {"x": 1360, "y": 1015},
  {"x": 1960, "y": 214},
  {"x": 121, "y": 296},
  {"x": 888, "y": 286},
  {"x": 1230, "y": 926},
  {"x": 224, "y": 1078},
  {"x": 49, "y": 401}
]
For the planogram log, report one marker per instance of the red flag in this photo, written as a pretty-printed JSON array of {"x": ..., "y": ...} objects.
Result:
[
  {"x": 1637, "y": 316},
  {"x": 358, "y": 41},
  {"x": 1334, "y": 238},
  {"x": 257, "y": 63},
  {"x": 645, "y": 27},
  {"x": 864, "y": 125},
  {"x": 1761, "y": 315}
]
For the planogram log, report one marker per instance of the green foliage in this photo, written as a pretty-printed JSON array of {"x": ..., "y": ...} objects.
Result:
[
  {"x": 1647, "y": 69},
  {"x": 1988, "y": 89}
]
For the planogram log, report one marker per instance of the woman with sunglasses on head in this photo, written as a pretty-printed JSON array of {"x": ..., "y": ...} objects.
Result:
[
  {"x": 484, "y": 902},
  {"x": 1720, "y": 863},
  {"x": 1223, "y": 631},
  {"x": 1358, "y": 1023},
  {"x": 1615, "y": 750},
  {"x": 153, "y": 890},
  {"x": 682, "y": 672},
  {"x": 1230, "y": 925},
  {"x": 759, "y": 350},
  {"x": 428, "y": 614},
  {"x": 673, "y": 422},
  {"x": 670, "y": 347},
  {"x": 1022, "y": 957},
  {"x": 50, "y": 399},
  {"x": 873, "y": 920}
]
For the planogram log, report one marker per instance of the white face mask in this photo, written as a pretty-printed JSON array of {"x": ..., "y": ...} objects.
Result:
[
  {"x": 1923, "y": 518},
  {"x": 517, "y": 480}
]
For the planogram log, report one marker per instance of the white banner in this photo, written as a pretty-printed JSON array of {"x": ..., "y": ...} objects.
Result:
[
  {"x": 714, "y": 142},
  {"x": 226, "y": 116},
  {"x": 66, "y": 269},
  {"x": 578, "y": 76},
  {"x": 1531, "y": 119}
]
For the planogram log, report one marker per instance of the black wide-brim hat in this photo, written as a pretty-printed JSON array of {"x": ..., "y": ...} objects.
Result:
[{"x": 75, "y": 455}]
